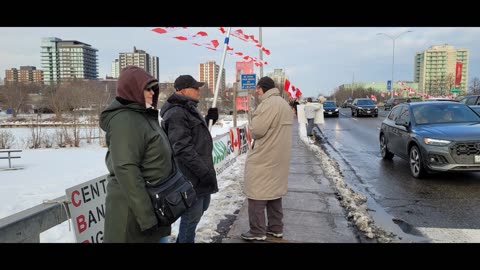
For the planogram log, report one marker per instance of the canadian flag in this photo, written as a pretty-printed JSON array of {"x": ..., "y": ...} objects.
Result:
[
  {"x": 292, "y": 91},
  {"x": 411, "y": 91}
]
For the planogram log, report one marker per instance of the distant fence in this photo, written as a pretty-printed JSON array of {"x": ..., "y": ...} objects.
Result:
[{"x": 26, "y": 226}]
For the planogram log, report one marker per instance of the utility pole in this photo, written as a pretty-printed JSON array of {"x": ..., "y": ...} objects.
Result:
[
  {"x": 261, "y": 52},
  {"x": 393, "y": 38},
  {"x": 235, "y": 102},
  {"x": 353, "y": 83}
]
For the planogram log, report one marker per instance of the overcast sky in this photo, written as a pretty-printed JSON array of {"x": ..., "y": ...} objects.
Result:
[{"x": 316, "y": 59}]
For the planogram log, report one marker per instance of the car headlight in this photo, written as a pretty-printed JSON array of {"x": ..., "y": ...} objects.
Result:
[
  {"x": 376, "y": 108},
  {"x": 336, "y": 109},
  {"x": 436, "y": 142}
]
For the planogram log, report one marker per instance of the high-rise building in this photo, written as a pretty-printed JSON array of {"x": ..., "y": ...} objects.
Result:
[
  {"x": 115, "y": 68},
  {"x": 154, "y": 62},
  {"x": 208, "y": 72},
  {"x": 67, "y": 60},
  {"x": 279, "y": 77},
  {"x": 139, "y": 58},
  {"x": 435, "y": 69},
  {"x": 26, "y": 74}
]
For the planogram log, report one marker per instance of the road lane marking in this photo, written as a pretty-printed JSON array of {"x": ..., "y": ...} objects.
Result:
[{"x": 450, "y": 235}]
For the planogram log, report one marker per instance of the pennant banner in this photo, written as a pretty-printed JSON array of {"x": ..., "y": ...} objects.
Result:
[
  {"x": 247, "y": 38},
  {"x": 198, "y": 39}
]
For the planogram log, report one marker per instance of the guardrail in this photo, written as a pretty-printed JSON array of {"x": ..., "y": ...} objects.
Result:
[{"x": 26, "y": 226}]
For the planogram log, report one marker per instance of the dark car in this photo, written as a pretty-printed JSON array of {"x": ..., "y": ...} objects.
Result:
[
  {"x": 392, "y": 102},
  {"x": 476, "y": 108},
  {"x": 364, "y": 106},
  {"x": 432, "y": 136},
  {"x": 471, "y": 100},
  {"x": 347, "y": 103},
  {"x": 441, "y": 99},
  {"x": 330, "y": 108}
]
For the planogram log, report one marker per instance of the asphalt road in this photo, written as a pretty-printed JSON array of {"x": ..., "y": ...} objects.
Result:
[{"x": 444, "y": 207}]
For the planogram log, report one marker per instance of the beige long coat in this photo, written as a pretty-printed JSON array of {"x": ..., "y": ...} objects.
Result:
[{"x": 268, "y": 163}]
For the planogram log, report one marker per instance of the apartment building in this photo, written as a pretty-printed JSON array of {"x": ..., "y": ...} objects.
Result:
[
  {"x": 64, "y": 60},
  {"x": 139, "y": 58},
  {"x": 435, "y": 69},
  {"x": 26, "y": 74},
  {"x": 208, "y": 72}
]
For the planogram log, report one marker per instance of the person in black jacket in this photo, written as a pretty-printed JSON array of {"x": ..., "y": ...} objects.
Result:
[{"x": 192, "y": 145}]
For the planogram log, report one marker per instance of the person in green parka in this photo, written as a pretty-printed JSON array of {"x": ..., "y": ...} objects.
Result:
[{"x": 138, "y": 151}]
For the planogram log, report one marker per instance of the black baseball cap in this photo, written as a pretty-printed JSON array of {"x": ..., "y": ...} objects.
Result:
[{"x": 186, "y": 81}]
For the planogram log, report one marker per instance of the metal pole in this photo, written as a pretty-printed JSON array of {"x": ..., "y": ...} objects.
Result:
[
  {"x": 217, "y": 86},
  {"x": 261, "y": 52},
  {"x": 393, "y": 52},
  {"x": 235, "y": 103},
  {"x": 393, "y": 65},
  {"x": 353, "y": 83}
]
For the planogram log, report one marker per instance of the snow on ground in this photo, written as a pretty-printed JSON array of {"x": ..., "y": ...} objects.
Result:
[
  {"x": 45, "y": 174},
  {"x": 353, "y": 202}
]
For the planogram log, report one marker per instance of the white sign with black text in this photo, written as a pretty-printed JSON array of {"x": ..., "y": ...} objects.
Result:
[{"x": 87, "y": 209}]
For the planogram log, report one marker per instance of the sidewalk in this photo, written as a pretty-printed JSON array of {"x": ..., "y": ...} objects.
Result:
[{"x": 312, "y": 214}]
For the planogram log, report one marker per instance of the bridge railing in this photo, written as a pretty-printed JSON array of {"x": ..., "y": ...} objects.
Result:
[{"x": 27, "y": 225}]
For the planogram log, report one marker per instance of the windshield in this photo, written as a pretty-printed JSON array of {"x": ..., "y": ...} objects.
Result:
[
  {"x": 443, "y": 113},
  {"x": 365, "y": 102},
  {"x": 330, "y": 104},
  {"x": 477, "y": 109}
]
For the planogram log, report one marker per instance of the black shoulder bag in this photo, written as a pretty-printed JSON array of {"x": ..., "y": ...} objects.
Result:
[{"x": 171, "y": 197}]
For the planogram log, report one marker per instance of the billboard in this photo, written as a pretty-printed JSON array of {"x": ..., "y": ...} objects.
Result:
[
  {"x": 242, "y": 103},
  {"x": 244, "y": 68},
  {"x": 458, "y": 73}
]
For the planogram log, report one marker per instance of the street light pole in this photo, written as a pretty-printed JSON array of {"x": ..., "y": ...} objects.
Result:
[{"x": 393, "y": 52}]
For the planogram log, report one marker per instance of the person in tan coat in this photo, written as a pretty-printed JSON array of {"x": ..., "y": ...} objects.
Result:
[{"x": 268, "y": 162}]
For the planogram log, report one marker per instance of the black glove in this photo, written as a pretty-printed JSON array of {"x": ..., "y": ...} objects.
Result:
[{"x": 212, "y": 114}]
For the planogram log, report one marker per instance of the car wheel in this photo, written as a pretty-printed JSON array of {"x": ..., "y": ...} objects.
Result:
[
  {"x": 416, "y": 163},
  {"x": 383, "y": 148},
  {"x": 353, "y": 114},
  {"x": 376, "y": 115}
]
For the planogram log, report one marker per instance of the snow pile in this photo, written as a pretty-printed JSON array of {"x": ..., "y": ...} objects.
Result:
[{"x": 353, "y": 202}]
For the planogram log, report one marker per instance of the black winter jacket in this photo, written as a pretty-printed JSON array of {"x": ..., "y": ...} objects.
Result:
[{"x": 191, "y": 142}]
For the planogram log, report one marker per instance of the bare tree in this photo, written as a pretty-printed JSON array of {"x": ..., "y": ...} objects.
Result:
[
  {"x": 227, "y": 99},
  {"x": 449, "y": 82},
  {"x": 6, "y": 139},
  {"x": 56, "y": 96},
  {"x": 206, "y": 95},
  {"x": 474, "y": 86},
  {"x": 14, "y": 95},
  {"x": 436, "y": 86},
  {"x": 35, "y": 140}
]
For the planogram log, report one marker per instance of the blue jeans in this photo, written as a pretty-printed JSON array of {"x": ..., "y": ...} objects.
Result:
[
  {"x": 191, "y": 218},
  {"x": 310, "y": 126},
  {"x": 164, "y": 240}
]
